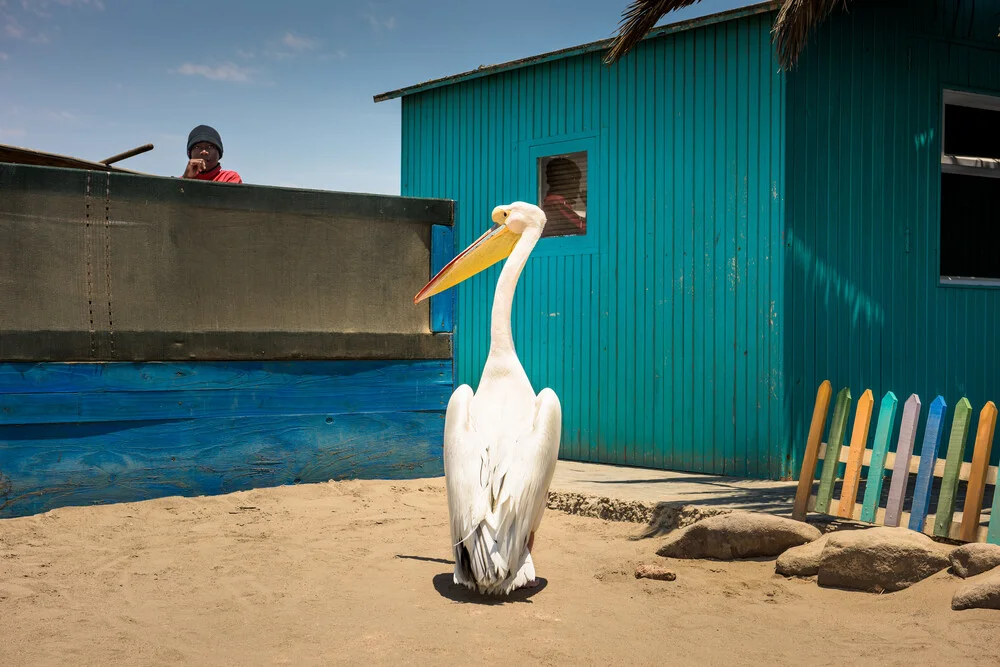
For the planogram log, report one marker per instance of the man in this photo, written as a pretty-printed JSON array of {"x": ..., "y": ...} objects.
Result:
[
  {"x": 563, "y": 178},
  {"x": 204, "y": 150}
]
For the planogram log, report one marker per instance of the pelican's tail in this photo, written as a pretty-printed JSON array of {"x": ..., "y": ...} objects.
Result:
[
  {"x": 481, "y": 566},
  {"x": 478, "y": 562}
]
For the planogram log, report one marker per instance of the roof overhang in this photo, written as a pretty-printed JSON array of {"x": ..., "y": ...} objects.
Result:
[
  {"x": 30, "y": 156},
  {"x": 681, "y": 26}
]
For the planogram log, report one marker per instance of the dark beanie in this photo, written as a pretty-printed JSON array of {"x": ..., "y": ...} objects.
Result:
[{"x": 204, "y": 133}]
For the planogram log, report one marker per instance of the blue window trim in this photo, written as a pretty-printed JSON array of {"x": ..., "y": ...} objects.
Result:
[{"x": 534, "y": 149}]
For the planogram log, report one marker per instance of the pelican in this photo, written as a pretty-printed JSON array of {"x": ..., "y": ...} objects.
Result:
[{"x": 501, "y": 442}]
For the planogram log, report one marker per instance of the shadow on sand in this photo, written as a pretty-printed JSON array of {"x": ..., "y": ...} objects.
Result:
[{"x": 444, "y": 585}]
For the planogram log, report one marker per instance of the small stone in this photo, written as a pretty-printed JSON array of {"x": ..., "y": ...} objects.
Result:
[
  {"x": 974, "y": 558},
  {"x": 654, "y": 572},
  {"x": 739, "y": 534},
  {"x": 979, "y": 593}
]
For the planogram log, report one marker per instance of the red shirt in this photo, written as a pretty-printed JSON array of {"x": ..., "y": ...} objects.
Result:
[{"x": 217, "y": 173}]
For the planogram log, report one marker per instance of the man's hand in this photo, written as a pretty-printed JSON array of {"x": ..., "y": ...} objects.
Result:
[{"x": 194, "y": 167}]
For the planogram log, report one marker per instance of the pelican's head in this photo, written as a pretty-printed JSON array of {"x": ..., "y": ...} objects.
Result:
[{"x": 510, "y": 222}]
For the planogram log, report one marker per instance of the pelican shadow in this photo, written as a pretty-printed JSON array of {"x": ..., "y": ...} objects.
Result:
[
  {"x": 427, "y": 559},
  {"x": 445, "y": 585}
]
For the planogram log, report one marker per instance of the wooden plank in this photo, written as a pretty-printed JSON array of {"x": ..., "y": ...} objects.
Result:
[
  {"x": 80, "y": 345},
  {"x": 914, "y": 464},
  {"x": 876, "y": 469},
  {"x": 859, "y": 443},
  {"x": 442, "y": 306},
  {"x": 85, "y": 377},
  {"x": 928, "y": 457},
  {"x": 993, "y": 535},
  {"x": 302, "y": 389},
  {"x": 949, "y": 482},
  {"x": 901, "y": 464},
  {"x": 832, "y": 461},
  {"x": 84, "y": 464},
  {"x": 977, "y": 479},
  {"x": 809, "y": 458}
]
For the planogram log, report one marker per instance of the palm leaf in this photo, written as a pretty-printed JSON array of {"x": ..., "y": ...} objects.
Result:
[
  {"x": 638, "y": 19},
  {"x": 795, "y": 20}
]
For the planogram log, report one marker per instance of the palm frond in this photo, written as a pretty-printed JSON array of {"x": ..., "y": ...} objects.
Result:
[
  {"x": 795, "y": 20},
  {"x": 637, "y": 20}
]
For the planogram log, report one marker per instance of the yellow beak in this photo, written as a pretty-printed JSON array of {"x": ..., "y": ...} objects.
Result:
[{"x": 496, "y": 244}]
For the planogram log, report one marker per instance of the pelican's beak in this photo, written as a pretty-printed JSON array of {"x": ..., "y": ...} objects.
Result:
[{"x": 493, "y": 246}]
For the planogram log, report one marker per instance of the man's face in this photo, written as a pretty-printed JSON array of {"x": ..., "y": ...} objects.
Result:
[{"x": 207, "y": 152}]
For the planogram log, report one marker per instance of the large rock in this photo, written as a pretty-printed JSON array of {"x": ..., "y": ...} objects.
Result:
[
  {"x": 879, "y": 559},
  {"x": 737, "y": 535},
  {"x": 980, "y": 593},
  {"x": 975, "y": 558},
  {"x": 801, "y": 561}
]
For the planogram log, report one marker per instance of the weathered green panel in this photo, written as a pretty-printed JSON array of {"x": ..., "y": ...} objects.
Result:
[
  {"x": 864, "y": 306},
  {"x": 662, "y": 338}
]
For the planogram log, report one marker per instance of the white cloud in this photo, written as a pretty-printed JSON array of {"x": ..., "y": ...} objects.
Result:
[
  {"x": 290, "y": 45},
  {"x": 244, "y": 54},
  {"x": 378, "y": 24},
  {"x": 34, "y": 20},
  {"x": 223, "y": 72},
  {"x": 3, "y": 56},
  {"x": 298, "y": 43},
  {"x": 41, "y": 7},
  {"x": 12, "y": 132},
  {"x": 13, "y": 28}
]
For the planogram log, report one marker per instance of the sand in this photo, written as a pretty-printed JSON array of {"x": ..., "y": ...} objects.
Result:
[{"x": 359, "y": 572}]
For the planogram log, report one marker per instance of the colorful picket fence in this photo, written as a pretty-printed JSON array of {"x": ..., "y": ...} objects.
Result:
[{"x": 898, "y": 465}]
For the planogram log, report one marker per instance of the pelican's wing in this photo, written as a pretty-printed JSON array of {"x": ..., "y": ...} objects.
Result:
[
  {"x": 521, "y": 490},
  {"x": 467, "y": 487}
]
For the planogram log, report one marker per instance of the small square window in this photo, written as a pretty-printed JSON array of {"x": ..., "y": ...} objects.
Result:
[
  {"x": 562, "y": 191},
  {"x": 970, "y": 189}
]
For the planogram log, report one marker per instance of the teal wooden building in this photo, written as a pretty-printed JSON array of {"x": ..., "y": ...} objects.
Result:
[{"x": 739, "y": 233}]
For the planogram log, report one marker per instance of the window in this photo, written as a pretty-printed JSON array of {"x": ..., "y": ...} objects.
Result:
[
  {"x": 970, "y": 189},
  {"x": 562, "y": 191},
  {"x": 563, "y": 175}
]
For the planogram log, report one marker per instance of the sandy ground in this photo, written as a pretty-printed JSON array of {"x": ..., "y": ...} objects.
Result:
[{"x": 360, "y": 573}]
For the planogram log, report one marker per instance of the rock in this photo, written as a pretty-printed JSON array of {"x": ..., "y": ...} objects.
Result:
[
  {"x": 801, "y": 561},
  {"x": 981, "y": 593},
  {"x": 974, "y": 558},
  {"x": 668, "y": 517},
  {"x": 879, "y": 559},
  {"x": 654, "y": 572},
  {"x": 738, "y": 534}
]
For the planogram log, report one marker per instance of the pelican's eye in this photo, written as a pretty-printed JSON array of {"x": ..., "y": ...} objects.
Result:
[{"x": 506, "y": 213}]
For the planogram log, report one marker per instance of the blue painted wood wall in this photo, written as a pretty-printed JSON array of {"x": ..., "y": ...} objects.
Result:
[
  {"x": 83, "y": 433},
  {"x": 864, "y": 305},
  {"x": 660, "y": 331}
]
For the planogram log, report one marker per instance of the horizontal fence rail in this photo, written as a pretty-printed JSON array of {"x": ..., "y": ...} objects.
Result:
[{"x": 929, "y": 471}]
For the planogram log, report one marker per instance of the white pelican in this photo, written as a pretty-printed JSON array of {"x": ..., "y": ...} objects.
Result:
[{"x": 500, "y": 443}]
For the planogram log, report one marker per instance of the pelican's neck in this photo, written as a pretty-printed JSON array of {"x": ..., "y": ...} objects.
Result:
[{"x": 501, "y": 338}]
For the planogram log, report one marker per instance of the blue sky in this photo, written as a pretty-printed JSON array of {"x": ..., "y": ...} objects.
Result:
[{"x": 289, "y": 85}]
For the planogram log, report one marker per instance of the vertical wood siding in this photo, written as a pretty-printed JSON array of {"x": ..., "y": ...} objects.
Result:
[
  {"x": 865, "y": 309},
  {"x": 663, "y": 338}
]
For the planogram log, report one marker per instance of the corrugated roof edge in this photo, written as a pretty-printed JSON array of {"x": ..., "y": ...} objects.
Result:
[{"x": 487, "y": 70}]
